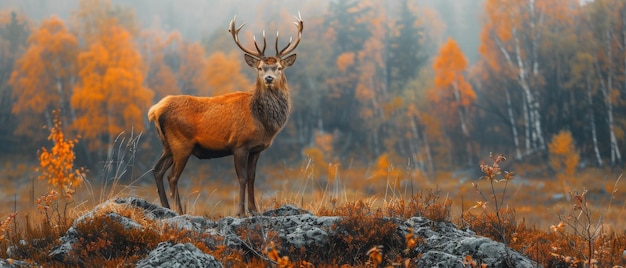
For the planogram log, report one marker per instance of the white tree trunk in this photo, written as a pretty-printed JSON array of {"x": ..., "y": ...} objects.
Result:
[
  {"x": 616, "y": 155},
  {"x": 534, "y": 118},
  {"x": 416, "y": 147},
  {"x": 592, "y": 122},
  {"x": 527, "y": 147},
  {"x": 606, "y": 87},
  {"x": 463, "y": 120},
  {"x": 527, "y": 69},
  {"x": 509, "y": 108}
]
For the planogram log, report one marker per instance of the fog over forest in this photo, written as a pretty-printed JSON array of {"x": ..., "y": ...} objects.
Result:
[{"x": 199, "y": 19}]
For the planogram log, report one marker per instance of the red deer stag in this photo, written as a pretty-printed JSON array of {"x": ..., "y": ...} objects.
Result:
[{"x": 241, "y": 124}]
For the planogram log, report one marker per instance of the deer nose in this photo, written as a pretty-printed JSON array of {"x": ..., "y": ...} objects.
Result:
[{"x": 269, "y": 79}]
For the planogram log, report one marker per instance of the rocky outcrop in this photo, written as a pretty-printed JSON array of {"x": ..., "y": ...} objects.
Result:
[
  {"x": 178, "y": 255},
  {"x": 447, "y": 246},
  {"x": 444, "y": 244},
  {"x": 294, "y": 230},
  {"x": 107, "y": 209}
]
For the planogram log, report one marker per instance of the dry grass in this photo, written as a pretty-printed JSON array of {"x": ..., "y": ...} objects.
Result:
[
  {"x": 365, "y": 223},
  {"x": 365, "y": 196}
]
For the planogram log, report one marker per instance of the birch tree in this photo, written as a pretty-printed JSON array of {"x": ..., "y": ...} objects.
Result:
[
  {"x": 510, "y": 43},
  {"x": 604, "y": 19}
]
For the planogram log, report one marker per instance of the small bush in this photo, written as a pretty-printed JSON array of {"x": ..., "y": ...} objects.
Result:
[
  {"x": 117, "y": 245},
  {"x": 361, "y": 229}
]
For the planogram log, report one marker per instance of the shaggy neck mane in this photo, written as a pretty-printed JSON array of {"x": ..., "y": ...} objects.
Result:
[{"x": 271, "y": 107}]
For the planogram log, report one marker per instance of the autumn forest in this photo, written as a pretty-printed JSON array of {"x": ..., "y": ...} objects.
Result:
[{"x": 389, "y": 97}]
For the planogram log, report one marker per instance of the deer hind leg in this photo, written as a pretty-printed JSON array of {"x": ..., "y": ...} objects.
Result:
[
  {"x": 164, "y": 163},
  {"x": 241, "y": 167},
  {"x": 252, "y": 159},
  {"x": 179, "y": 165}
]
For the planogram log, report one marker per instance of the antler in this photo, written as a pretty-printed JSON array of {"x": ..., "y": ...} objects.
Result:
[
  {"x": 260, "y": 53},
  {"x": 291, "y": 46}
]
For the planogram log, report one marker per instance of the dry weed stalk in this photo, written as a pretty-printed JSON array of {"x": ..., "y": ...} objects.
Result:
[
  {"x": 5, "y": 224},
  {"x": 494, "y": 174},
  {"x": 580, "y": 221}
]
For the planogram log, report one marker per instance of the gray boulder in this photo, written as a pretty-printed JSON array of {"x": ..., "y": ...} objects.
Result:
[
  {"x": 297, "y": 229},
  {"x": 447, "y": 246},
  {"x": 286, "y": 210},
  {"x": 178, "y": 255},
  {"x": 150, "y": 211}
]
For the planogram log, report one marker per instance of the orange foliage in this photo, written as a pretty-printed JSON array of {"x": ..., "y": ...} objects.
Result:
[
  {"x": 223, "y": 74},
  {"x": 370, "y": 62},
  {"x": 500, "y": 19},
  {"x": 392, "y": 106},
  {"x": 384, "y": 169},
  {"x": 365, "y": 94},
  {"x": 324, "y": 141},
  {"x": 433, "y": 125},
  {"x": 316, "y": 155},
  {"x": 42, "y": 76},
  {"x": 450, "y": 82},
  {"x": 345, "y": 60},
  {"x": 5, "y": 224},
  {"x": 563, "y": 153},
  {"x": 451, "y": 99},
  {"x": 191, "y": 79},
  {"x": 57, "y": 164},
  {"x": 321, "y": 154},
  {"x": 375, "y": 255},
  {"x": 502, "y": 16},
  {"x": 272, "y": 254},
  {"x": 110, "y": 98},
  {"x": 164, "y": 82}
]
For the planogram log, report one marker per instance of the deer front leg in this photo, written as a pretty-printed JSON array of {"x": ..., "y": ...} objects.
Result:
[
  {"x": 179, "y": 165},
  {"x": 241, "y": 167},
  {"x": 252, "y": 159}
]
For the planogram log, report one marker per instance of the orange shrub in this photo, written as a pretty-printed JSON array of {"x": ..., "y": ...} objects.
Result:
[
  {"x": 564, "y": 156},
  {"x": 57, "y": 164}
]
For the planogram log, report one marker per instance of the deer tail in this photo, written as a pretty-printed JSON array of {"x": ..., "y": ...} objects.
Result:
[{"x": 154, "y": 114}]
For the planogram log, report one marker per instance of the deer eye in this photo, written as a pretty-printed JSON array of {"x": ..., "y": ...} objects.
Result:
[
  {"x": 259, "y": 69},
  {"x": 280, "y": 68}
]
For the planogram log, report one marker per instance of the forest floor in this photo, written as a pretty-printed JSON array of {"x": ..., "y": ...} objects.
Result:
[{"x": 585, "y": 209}]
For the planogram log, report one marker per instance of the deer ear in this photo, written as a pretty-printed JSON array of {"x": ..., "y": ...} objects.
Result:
[
  {"x": 250, "y": 60},
  {"x": 288, "y": 61}
]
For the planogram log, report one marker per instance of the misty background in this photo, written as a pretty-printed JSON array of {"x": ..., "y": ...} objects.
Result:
[{"x": 197, "y": 20}]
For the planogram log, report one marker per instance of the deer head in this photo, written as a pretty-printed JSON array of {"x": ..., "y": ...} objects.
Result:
[{"x": 269, "y": 69}]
